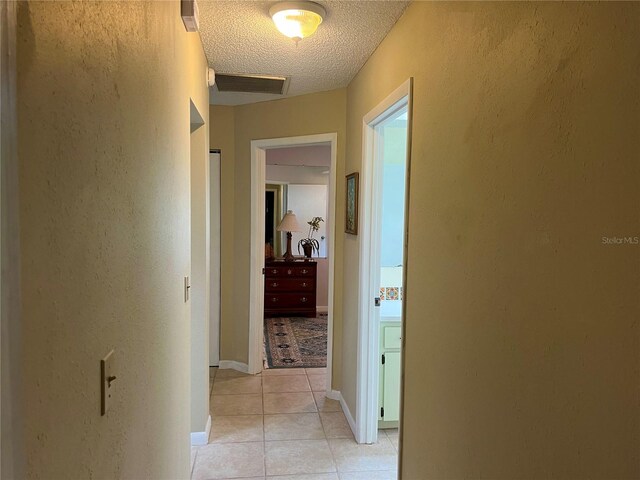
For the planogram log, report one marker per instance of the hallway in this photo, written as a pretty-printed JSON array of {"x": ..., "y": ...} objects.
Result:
[{"x": 279, "y": 425}]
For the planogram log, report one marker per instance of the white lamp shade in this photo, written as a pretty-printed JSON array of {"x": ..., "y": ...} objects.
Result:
[{"x": 289, "y": 223}]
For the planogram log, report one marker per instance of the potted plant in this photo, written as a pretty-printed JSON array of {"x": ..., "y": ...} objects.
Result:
[{"x": 310, "y": 244}]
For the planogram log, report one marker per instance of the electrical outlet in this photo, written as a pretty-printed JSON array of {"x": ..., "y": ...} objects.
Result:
[{"x": 108, "y": 377}]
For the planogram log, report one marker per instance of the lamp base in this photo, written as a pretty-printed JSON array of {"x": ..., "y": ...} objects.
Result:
[{"x": 287, "y": 254}]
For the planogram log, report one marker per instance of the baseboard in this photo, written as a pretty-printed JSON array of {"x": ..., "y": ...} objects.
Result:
[
  {"x": 201, "y": 438},
  {"x": 346, "y": 411},
  {"x": 333, "y": 395},
  {"x": 322, "y": 309},
  {"x": 233, "y": 365}
]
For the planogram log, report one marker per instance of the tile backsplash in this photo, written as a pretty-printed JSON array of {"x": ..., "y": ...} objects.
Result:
[{"x": 391, "y": 279}]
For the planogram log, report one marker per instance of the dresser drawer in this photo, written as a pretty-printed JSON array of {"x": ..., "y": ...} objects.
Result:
[
  {"x": 306, "y": 271},
  {"x": 289, "y": 300},
  {"x": 298, "y": 284},
  {"x": 284, "y": 271}
]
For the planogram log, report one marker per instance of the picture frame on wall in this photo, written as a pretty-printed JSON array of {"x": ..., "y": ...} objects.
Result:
[{"x": 351, "y": 220}]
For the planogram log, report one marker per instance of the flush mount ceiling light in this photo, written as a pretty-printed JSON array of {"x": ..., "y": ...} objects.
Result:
[{"x": 297, "y": 20}]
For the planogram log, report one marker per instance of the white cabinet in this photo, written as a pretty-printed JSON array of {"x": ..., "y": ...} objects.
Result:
[{"x": 390, "y": 367}]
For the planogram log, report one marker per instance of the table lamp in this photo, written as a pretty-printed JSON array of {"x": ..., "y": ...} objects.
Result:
[{"x": 289, "y": 224}]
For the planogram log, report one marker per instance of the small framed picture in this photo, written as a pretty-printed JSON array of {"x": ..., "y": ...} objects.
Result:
[{"x": 351, "y": 223}]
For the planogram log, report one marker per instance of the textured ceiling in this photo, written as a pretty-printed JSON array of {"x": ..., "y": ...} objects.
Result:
[{"x": 240, "y": 37}]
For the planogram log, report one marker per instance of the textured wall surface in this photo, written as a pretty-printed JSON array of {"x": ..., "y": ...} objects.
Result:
[
  {"x": 312, "y": 156},
  {"x": 302, "y": 115},
  {"x": 522, "y": 333},
  {"x": 103, "y": 117}
]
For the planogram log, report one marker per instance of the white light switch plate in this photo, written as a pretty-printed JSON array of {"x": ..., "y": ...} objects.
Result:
[{"x": 108, "y": 377}]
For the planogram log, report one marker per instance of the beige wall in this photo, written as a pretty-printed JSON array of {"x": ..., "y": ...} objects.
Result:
[
  {"x": 304, "y": 115},
  {"x": 103, "y": 122},
  {"x": 522, "y": 340}
]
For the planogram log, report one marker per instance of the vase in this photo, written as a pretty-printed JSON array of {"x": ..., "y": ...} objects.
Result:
[{"x": 308, "y": 250}]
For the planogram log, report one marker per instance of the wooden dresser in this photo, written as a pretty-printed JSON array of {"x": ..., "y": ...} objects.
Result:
[{"x": 290, "y": 288}]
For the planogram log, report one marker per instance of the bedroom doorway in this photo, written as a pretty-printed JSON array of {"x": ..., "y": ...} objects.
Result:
[
  {"x": 296, "y": 299},
  {"x": 297, "y": 189},
  {"x": 385, "y": 184}
]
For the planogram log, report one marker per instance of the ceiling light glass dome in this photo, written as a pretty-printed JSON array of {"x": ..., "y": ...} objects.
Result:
[{"x": 297, "y": 20}]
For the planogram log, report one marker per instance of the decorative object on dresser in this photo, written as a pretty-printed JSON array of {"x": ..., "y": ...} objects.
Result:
[
  {"x": 310, "y": 244},
  {"x": 290, "y": 288},
  {"x": 289, "y": 224}
]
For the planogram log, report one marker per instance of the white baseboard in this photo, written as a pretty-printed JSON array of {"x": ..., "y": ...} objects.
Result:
[
  {"x": 322, "y": 309},
  {"x": 336, "y": 395},
  {"x": 333, "y": 395},
  {"x": 233, "y": 365},
  {"x": 201, "y": 438}
]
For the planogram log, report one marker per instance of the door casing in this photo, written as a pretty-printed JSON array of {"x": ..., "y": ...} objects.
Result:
[
  {"x": 256, "y": 261},
  {"x": 215, "y": 158},
  {"x": 370, "y": 213}
]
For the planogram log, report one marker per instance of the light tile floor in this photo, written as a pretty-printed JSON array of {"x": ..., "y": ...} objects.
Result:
[{"x": 279, "y": 425}]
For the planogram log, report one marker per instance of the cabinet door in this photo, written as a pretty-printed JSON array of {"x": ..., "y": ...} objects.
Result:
[{"x": 391, "y": 386}]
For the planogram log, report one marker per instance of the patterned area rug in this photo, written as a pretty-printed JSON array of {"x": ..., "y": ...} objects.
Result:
[{"x": 294, "y": 342}]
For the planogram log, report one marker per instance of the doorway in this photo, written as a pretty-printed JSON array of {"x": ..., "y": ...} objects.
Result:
[
  {"x": 385, "y": 175},
  {"x": 197, "y": 284},
  {"x": 295, "y": 324},
  {"x": 275, "y": 196},
  {"x": 259, "y": 150},
  {"x": 214, "y": 256}
]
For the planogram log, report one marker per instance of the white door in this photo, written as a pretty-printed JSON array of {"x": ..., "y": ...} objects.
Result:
[{"x": 214, "y": 304}]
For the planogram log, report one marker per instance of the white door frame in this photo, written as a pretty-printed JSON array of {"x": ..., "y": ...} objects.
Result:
[
  {"x": 256, "y": 282},
  {"x": 215, "y": 158},
  {"x": 368, "y": 327}
]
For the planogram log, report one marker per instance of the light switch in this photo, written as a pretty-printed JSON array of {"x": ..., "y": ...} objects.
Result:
[
  {"x": 187, "y": 287},
  {"x": 108, "y": 376}
]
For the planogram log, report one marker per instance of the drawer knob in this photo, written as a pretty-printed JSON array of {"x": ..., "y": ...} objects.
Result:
[
  {"x": 304, "y": 270},
  {"x": 304, "y": 284},
  {"x": 274, "y": 271},
  {"x": 289, "y": 272},
  {"x": 303, "y": 299},
  {"x": 274, "y": 299},
  {"x": 275, "y": 284}
]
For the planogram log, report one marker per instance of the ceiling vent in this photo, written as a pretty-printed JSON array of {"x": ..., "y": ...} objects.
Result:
[{"x": 252, "y": 83}]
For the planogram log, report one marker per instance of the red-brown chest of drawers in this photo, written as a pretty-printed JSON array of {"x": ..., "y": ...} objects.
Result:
[{"x": 290, "y": 288}]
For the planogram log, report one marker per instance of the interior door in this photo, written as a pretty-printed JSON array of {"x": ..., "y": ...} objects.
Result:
[{"x": 214, "y": 255}]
